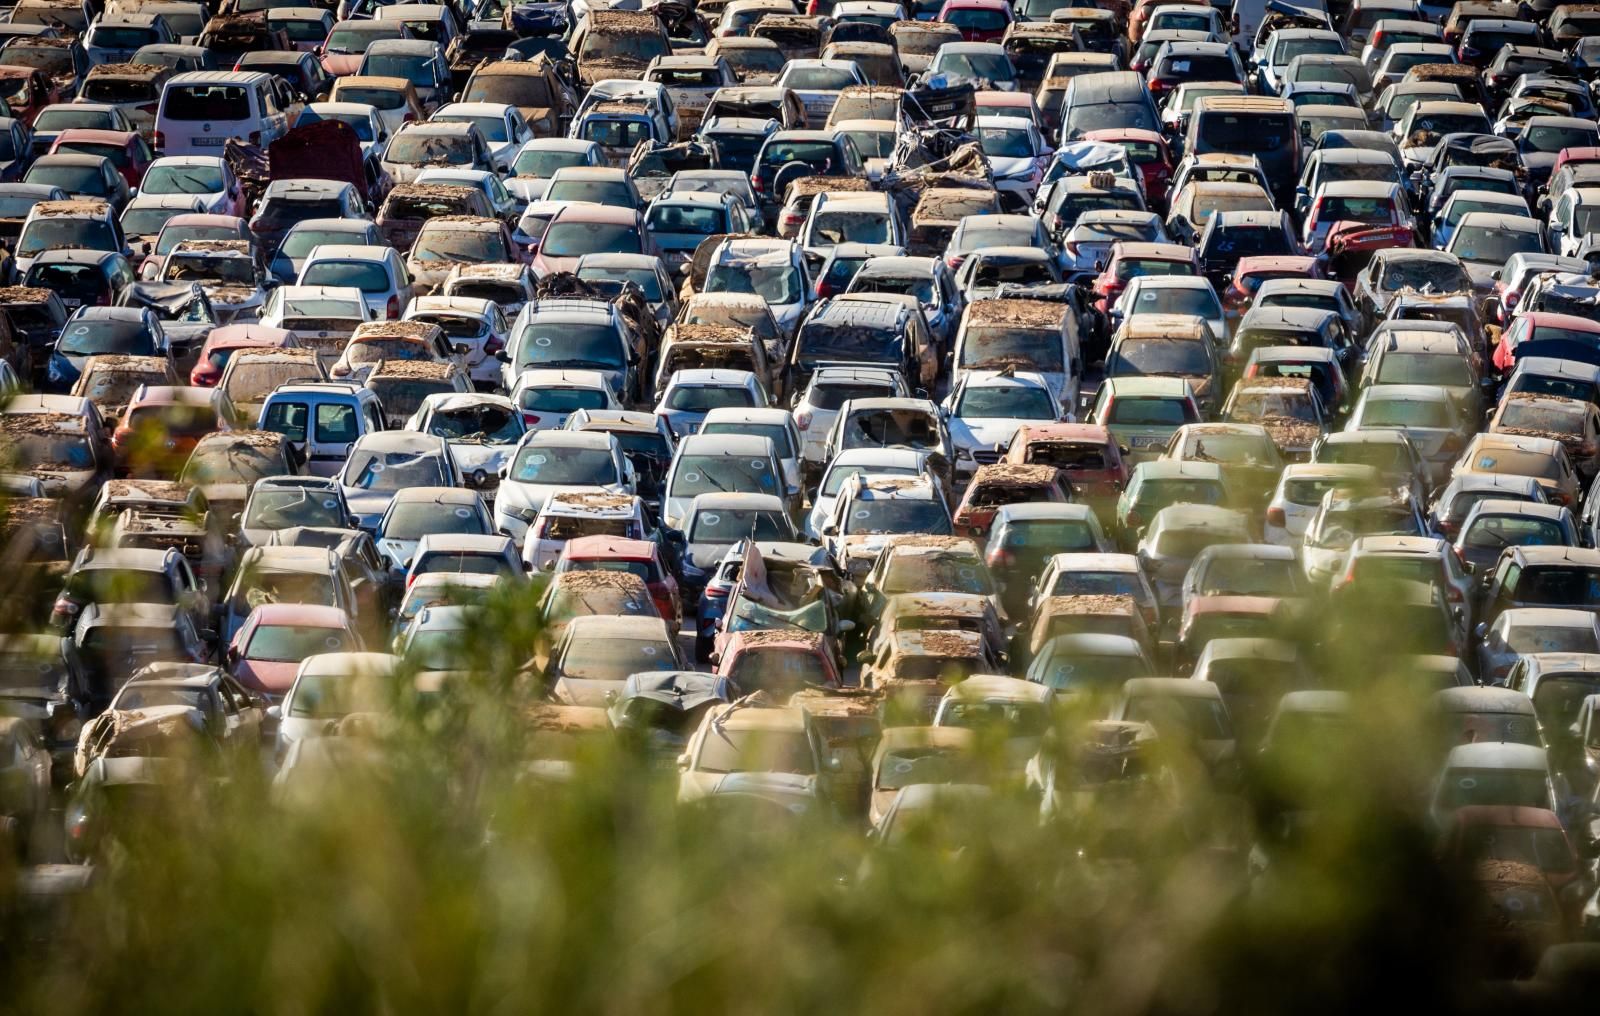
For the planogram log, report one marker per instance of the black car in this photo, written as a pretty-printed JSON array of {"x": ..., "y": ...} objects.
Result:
[
  {"x": 794, "y": 154},
  {"x": 1229, "y": 236},
  {"x": 101, "y": 331}
]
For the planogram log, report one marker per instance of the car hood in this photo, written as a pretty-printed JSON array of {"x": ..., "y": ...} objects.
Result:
[
  {"x": 264, "y": 676},
  {"x": 1482, "y": 275},
  {"x": 58, "y": 483},
  {"x": 707, "y": 556},
  {"x": 398, "y": 553},
  {"x": 340, "y": 64},
  {"x": 368, "y": 506},
  {"x": 983, "y": 432},
  {"x": 1003, "y": 166},
  {"x": 472, "y": 457},
  {"x": 574, "y": 691}
]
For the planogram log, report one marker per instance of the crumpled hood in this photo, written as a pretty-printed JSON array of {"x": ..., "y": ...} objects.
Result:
[
  {"x": 472, "y": 457},
  {"x": 983, "y": 433},
  {"x": 368, "y": 506}
]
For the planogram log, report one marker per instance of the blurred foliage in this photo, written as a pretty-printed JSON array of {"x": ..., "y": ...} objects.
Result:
[{"x": 429, "y": 872}]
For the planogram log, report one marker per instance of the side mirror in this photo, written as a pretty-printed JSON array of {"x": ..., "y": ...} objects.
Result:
[
  {"x": 683, "y": 762},
  {"x": 461, "y": 349},
  {"x": 1480, "y": 630},
  {"x": 274, "y": 712},
  {"x": 830, "y": 530}
]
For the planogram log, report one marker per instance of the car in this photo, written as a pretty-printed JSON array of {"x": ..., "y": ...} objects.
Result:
[
  {"x": 378, "y": 271},
  {"x": 383, "y": 463}
]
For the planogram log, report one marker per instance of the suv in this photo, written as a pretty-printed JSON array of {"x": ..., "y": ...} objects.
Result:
[
  {"x": 582, "y": 334},
  {"x": 533, "y": 86},
  {"x": 885, "y": 329}
]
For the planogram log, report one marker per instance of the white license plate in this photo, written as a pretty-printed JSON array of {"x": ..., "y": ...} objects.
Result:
[
  {"x": 1145, "y": 442},
  {"x": 210, "y": 142}
]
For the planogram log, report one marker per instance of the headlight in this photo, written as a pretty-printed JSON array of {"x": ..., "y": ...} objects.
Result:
[{"x": 964, "y": 454}]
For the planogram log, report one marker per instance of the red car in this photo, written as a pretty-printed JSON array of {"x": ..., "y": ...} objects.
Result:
[
  {"x": 127, "y": 150},
  {"x": 267, "y": 651},
  {"x": 223, "y": 342},
  {"x": 1541, "y": 325},
  {"x": 180, "y": 415},
  {"x": 979, "y": 20},
  {"x": 1508, "y": 833},
  {"x": 639, "y": 557},
  {"x": 1131, "y": 259},
  {"x": 1086, "y": 452},
  {"x": 27, "y": 90},
  {"x": 582, "y": 228},
  {"x": 1150, "y": 152},
  {"x": 778, "y": 661},
  {"x": 1253, "y": 271}
]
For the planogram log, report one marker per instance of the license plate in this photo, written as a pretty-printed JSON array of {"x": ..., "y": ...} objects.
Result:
[
  {"x": 1145, "y": 442},
  {"x": 210, "y": 142}
]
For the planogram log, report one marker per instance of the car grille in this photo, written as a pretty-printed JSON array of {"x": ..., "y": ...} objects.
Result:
[{"x": 987, "y": 458}]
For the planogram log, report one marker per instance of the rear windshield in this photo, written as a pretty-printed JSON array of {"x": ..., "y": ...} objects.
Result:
[{"x": 207, "y": 102}]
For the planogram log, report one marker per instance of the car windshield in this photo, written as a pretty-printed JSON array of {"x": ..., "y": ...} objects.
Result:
[
  {"x": 898, "y": 515},
  {"x": 1547, "y": 417},
  {"x": 331, "y": 696},
  {"x": 367, "y": 276},
  {"x": 1559, "y": 586},
  {"x": 1188, "y": 301},
  {"x": 1425, "y": 369},
  {"x": 1159, "y": 356},
  {"x": 570, "y": 344},
  {"x": 699, "y": 220},
  {"x": 711, "y": 474},
  {"x": 1265, "y": 405},
  {"x": 291, "y": 643},
  {"x": 1249, "y": 576},
  {"x": 390, "y": 471},
  {"x": 1550, "y": 138},
  {"x": 919, "y": 286},
  {"x": 984, "y": 401},
  {"x": 646, "y": 279},
  {"x": 1006, "y": 142},
  {"x": 728, "y": 525},
  {"x": 575, "y": 239},
  {"x": 543, "y": 163},
  {"x": 1083, "y": 672},
  {"x": 1408, "y": 413},
  {"x": 66, "y": 117},
  {"x": 412, "y": 520},
  {"x": 704, "y": 398},
  {"x": 298, "y": 243},
  {"x": 777, "y": 284},
  {"x": 493, "y": 128},
  {"x": 488, "y": 424},
  {"x": 755, "y": 751},
  {"x": 613, "y": 659},
  {"x": 1490, "y": 245},
  {"x": 1521, "y": 788},
  {"x": 284, "y": 509},
  {"x": 460, "y": 246},
  {"x": 93, "y": 337},
  {"x": 146, "y": 221},
  {"x": 66, "y": 234},
  {"x": 352, "y": 39},
  {"x": 559, "y": 465},
  {"x": 1340, "y": 527},
  {"x": 205, "y": 268},
  {"x": 991, "y": 346},
  {"x": 424, "y": 148},
  {"x": 1151, "y": 412},
  {"x": 994, "y": 67}
]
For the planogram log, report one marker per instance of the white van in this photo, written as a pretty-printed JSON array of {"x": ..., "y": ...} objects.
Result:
[{"x": 201, "y": 110}]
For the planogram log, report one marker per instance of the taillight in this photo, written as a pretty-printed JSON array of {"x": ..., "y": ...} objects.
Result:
[
  {"x": 757, "y": 185},
  {"x": 824, "y": 288},
  {"x": 158, "y": 140},
  {"x": 954, "y": 261},
  {"x": 492, "y": 345},
  {"x": 1277, "y": 517},
  {"x": 1001, "y": 558},
  {"x": 148, "y": 107},
  {"x": 802, "y": 419},
  {"x": 119, "y": 437},
  {"x": 1071, "y": 247},
  {"x": 1134, "y": 520},
  {"x": 530, "y": 419},
  {"x": 794, "y": 219},
  {"x": 392, "y": 311},
  {"x": 409, "y": 117}
]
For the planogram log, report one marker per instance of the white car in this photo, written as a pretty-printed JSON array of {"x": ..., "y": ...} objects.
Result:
[
  {"x": 1188, "y": 295},
  {"x": 482, "y": 431},
  {"x": 502, "y": 126},
  {"x": 1018, "y": 153},
  {"x": 378, "y": 271},
  {"x": 775, "y": 424},
  {"x": 540, "y": 158},
  {"x": 1088, "y": 242},
  {"x": 819, "y": 82},
  {"x": 767, "y": 267},
  {"x": 328, "y": 687},
  {"x": 842, "y": 217},
  {"x": 985, "y": 410},
  {"x": 1299, "y": 493},
  {"x": 817, "y": 408},
  {"x": 323, "y": 316},
  {"x": 877, "y": 461},
  {"x": 546, "y": 398},
  {"x": 206, "y": 177},
  {"x": 550, "y": 462},
  {"x": 478, "y": 323}
]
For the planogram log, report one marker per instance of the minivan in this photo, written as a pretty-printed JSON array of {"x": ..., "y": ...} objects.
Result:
[
  {"x": 201, "y": 110},
  {"x": 323, "y": 420}
]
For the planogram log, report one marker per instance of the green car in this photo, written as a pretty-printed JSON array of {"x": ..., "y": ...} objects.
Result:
[
  {"x": 1143, "y": 412},
  {"x": 1155, "y": 485}
]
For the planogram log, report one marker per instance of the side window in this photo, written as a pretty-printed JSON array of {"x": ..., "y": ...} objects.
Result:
[
  {"x": 336, "y": 423},
  {"x": 287, "y": 418},
  {"x": 1508, "y": 581},
  {"x": 374, "y": 417}
]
